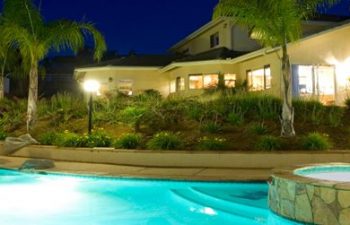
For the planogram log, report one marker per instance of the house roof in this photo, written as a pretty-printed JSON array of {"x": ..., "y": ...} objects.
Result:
[
  {"x": 199, "y": 31},
  {"x": 137, "y": 61},
  {"x": 343, "y": 25},
  {"x": 213, "y": 54},
  {"x": 329, "y": 18}
]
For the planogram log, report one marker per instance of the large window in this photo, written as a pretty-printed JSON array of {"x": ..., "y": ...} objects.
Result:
[
  {"x": 259, "y": 79},
  {"x": 230, "y": 80},
  {"x": 199, "y": 81},
  {"x": 196, "y": 81},
  {"x": 125, "y": 87},
  {"x": 214, "y": 40},
  {"x": 180, "y": 84},
  {"x": 211, "y": 80},
  {"x": 314, "y": 81}
]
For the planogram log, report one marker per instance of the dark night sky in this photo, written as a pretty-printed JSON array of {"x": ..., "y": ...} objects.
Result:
[{"x": 145, "y": 26}]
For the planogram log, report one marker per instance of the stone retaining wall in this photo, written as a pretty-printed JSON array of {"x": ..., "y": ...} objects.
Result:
[{"x": 309, "y": 200}]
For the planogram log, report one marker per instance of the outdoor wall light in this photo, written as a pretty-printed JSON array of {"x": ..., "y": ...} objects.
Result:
[{"x": 91, "y": 86}]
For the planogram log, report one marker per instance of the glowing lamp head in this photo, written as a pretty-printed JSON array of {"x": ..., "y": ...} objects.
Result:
[{"x": 91, "y": 86}]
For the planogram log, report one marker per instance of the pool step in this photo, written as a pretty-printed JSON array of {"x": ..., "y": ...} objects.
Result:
[
  {"x": 234, "y": 197},
  {"x": 229, "y": 201},
  {"x": 251, "y": 215}
]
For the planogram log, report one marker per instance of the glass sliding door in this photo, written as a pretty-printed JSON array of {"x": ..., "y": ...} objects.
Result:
[
  {"x": 325, "y": 84},
  {"x": 314, "y": 82}
]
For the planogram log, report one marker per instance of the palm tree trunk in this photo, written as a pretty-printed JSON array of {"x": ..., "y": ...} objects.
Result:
[
  {"x": 287, "y": 120},
  {"x": 2, "y": 86},
  {"x": 32, "y": 96}
]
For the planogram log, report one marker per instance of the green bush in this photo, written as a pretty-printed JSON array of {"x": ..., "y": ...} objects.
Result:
[
  {"x": 258, "y": 128},
  {"x": 62, "y": 107},
  {"x": 3, "y": 135},
  {"x": 128, "y": 141},
  {"x": 249, "y": 106},
  {"x": 67, "y": 139},
  {"x": 48, "y": 138},
  {"x": 165, "y": 141},
  {"x": 317, "y": 113},
  {"x": 235, "y": 119},
  {"x": 97, "y": 138},
  {"x": 164, "y": 115},
  {"x": 316, "y": 141},
  {"x": 268, "y": 143},
  {"x": 211, "y": 127},
  {"x": 12, "y": 114},
  {"x": 347, "y": 103},
  {"x": 207, "y": 143},
  {"x": 335, "y": 116}
]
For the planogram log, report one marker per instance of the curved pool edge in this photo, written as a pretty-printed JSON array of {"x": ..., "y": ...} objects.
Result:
[
  {"x": 309, "y": 200},
  {"x": 159, "y": 173}
]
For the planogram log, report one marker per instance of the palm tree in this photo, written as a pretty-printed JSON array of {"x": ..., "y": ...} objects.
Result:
[
  {"x": 274, "y": 23},
  {"x": 25, "y": 28}
]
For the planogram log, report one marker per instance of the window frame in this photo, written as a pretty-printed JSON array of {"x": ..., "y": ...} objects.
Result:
[
  {"x": 249, "y": 75},
  {"x": 178, "y": 86},
  {"x": 189, "y": 81},
  {"x": 214, "y": 40}
]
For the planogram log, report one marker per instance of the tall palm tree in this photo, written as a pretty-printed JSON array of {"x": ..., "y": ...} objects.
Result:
[
  {"x": 25, "y": 28},
  {"x": 274, "y": 23}
]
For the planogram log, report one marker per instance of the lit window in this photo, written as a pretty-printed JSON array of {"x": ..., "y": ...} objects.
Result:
[
  {"x": 259, "y": 79},
  {"x": 268, "y": 77},
  {"x": 125, "y": 87},
  {"x": 180, "y": 84},
  {"x": 173, "y": 86},
  {"x": 230, "y": 80},
  {"x": 214, "y": 40},
  {"x": 196, "y": 81},
  {"x": 314, "y": 81},
  {"x": 211, "y": 80}
]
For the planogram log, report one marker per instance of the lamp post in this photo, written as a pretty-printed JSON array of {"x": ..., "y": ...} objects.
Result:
[{"x": 91, "y": 87}]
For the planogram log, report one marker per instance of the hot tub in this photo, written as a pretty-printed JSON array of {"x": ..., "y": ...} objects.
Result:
[{"x": 318, "y": 194}]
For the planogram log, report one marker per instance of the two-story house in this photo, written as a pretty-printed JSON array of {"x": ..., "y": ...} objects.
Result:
[{"x": 224, "y": 49}]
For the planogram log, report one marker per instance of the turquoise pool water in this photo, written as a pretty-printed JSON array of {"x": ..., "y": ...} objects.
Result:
[
  {"x": 339, "y": 173},
  {"x": 34, "y": 199}
]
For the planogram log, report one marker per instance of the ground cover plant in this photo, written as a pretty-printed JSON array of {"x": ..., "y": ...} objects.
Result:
[{"x": 245, "y": 121}]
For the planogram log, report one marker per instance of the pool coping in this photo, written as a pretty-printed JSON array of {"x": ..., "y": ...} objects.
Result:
[
  {"x": 183, "y": 159},
  {"x": 288, "y": 174},
  {"x": 155, "y": 173}
]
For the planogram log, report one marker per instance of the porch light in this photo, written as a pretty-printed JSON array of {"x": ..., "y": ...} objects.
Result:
[{"x": 91, "y": 86}]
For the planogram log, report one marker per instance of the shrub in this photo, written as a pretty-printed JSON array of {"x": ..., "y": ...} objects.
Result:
[
  {"x": 97, "y": 138},
  {"x": 235, "y": 119},
  {"x": 211, "y": 127},
  {"x": 3, "y": 135},
  {"x": 268, "y": 143},
  {"x": 316, "y": 141},
  {"x": 67, "y": 139},
  {"x": 12, "y": 114},
  {"x": 48, "y": 138},
  {"x": 128, "y": 141},
  {"x": 62, "y": 107},
  {"x": 165, "y": 114},
  {"x": 258, "y": 128},
  {"x": 132, "y": 115},
  {"x": 207, "y": 143},
  {"x": 165, "y": 141},
  {"x": 347, "y": 103},
  {"x": 335, "y": 115}
]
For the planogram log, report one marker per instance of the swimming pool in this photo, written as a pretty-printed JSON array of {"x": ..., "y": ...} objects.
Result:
[{"x": 37, "y": 199}]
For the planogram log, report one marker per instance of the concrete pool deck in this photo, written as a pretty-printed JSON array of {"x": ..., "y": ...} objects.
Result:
[
  {"x": 200, "y": 174},
  {"x": 180, "y": 165}
]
